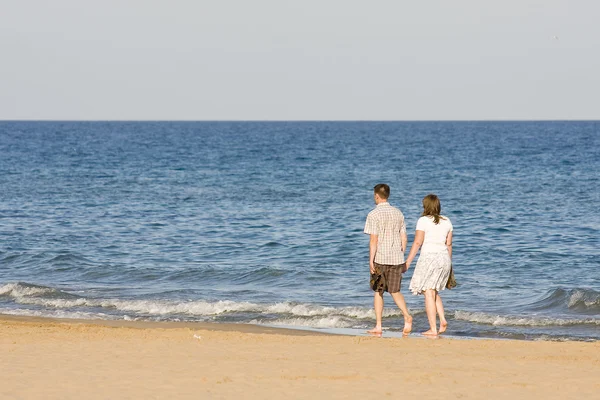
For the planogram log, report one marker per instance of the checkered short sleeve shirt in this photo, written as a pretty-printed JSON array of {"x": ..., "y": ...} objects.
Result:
[{"x": 387, "y": 223}]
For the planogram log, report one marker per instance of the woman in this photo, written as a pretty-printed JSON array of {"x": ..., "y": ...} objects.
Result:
[{"x": 434, "y": 232}]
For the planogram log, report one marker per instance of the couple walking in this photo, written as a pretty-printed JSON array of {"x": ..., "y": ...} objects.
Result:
[{"x": 388, "y": 241}]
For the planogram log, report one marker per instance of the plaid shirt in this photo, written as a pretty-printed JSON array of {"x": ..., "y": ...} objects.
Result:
[{"x": 387, "y": 223}]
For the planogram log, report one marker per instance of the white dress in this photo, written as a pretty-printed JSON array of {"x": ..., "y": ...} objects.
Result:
[{"x": 433, "y": 267}]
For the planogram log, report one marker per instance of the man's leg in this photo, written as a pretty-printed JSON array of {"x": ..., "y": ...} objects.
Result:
[
  {"x": 378, "y": 305},
  {"x": 430, "y": 295},
  {"x": 399, "y": 299},
  {"x": 439, "y": 306}
]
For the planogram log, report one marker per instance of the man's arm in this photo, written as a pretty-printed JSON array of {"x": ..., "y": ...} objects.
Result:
[
  {"x": 372, "y": 252},
  {"x": 403, "y": 241},
  {"x": 403, "y": 237}
]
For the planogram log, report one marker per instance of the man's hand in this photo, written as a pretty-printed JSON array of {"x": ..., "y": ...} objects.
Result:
[
  {"x": 372, "y": 268},
  {"x": 405, "y": 268}
]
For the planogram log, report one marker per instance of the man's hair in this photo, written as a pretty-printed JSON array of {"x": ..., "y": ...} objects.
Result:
[{"x": 382, "y": 190}]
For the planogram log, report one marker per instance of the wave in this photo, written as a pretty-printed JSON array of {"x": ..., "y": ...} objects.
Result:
[
  {"x": 206, "y": 308},
  {"x": 24, "y": 293},
  {"x": 579, "y": 300},
  {"x": 20, "y": 290},
  {"x": 69, "y": 258},
  {"x": 36, "y": 300},
  {"x": 264, "y": 274},
  {"x": 533, "y": 321},
  {"x": 44, "y": 258},
  {"x": 335, "y": 321},
  {"x": 57, "y": 314},
  {"x": 588, "y": 300}
]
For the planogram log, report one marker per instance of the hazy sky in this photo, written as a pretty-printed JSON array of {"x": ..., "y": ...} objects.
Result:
[{"x": 309, "y": 59}]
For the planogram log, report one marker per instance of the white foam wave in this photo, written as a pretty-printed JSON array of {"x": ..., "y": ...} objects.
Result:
[
  {"x": 153, "y": 307},
  {"x": 587, "y": 298},
  {"x": 56, "y": 314},
  {"x": 204, "y": 308},
  {"x": 18, "y": 290},
  {"x": 318, "y": 322},
  {"x": 498, "y": 320},
  {"x": 312, "y": 310},
  {"x": 34, "y": 295},
  {"x": 55, "y": 303}
]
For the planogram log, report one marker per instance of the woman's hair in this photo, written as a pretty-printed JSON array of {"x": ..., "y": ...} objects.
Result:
[{"x": 432, "y": 207}]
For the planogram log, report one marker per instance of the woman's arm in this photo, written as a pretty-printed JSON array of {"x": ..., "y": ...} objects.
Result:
[
  {"x": 449, "y": 244},
  {"x": 419, "y": 237}
]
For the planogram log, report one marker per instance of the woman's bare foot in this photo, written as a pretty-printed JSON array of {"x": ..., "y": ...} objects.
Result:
[
  {"x": 407, "y": 325},
  {"x": 375, "y": 331},
  {"x": 443, "y": 327},
  {"x": 430, "y": 333}
]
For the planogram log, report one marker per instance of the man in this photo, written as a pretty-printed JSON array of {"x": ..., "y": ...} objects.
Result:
[{"x": 385, "y": 225}]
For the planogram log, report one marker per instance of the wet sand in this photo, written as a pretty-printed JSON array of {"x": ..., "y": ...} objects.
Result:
[{"x": 67, "y": 359}]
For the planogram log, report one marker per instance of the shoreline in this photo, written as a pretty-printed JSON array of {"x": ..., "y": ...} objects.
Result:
[
  {"x": 206, "y": 326},
  {"x": 243, "y": 327},
  {"x": 71, "y": 359}
]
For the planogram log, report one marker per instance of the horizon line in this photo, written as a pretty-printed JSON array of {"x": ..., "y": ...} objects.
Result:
[{"x": 298, "y": 120}]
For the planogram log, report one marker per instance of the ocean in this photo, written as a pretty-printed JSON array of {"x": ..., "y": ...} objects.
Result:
[{"x": 261, "y": 222}]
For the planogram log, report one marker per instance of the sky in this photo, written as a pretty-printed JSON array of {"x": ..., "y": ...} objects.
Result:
[{"x": 299, "y": 60}]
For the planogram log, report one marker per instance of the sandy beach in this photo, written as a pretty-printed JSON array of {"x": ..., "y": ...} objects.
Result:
[{"x": 61, "y": 359}]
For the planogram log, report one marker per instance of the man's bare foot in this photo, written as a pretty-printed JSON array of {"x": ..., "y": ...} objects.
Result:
[
  {"x": 375, "y": 331},
  {"x": 430, "y": 333},
  {"x": 407, "y": 325},
  {"x": 443, "y": 327}
]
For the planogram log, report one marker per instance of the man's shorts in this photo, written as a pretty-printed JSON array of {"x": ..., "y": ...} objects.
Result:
[{"x": 387, "y": 278}]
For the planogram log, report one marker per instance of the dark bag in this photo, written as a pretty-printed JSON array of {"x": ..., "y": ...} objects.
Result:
[
  {"x": 451, "y": 281},
  {"x": 377, "y": 282}
]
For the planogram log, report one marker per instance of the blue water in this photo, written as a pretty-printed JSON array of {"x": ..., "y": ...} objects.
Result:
[{"x": 261, "y": 222}]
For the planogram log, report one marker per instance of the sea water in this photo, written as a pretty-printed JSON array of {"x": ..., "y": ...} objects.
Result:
[{"x": 261, "y": 222}]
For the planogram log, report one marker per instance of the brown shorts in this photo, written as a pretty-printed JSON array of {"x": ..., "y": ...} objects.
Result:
[{"x": 387, "y": 278}]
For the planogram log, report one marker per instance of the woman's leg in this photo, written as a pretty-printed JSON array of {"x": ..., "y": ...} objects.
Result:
[
  {"x": 439, "y": 306},
  {"x": 430, "y": 296}
]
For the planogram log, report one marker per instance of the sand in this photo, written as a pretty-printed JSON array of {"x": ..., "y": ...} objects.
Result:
[{"x": 59, "y": 359}]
